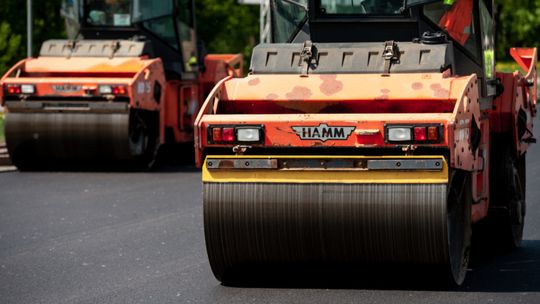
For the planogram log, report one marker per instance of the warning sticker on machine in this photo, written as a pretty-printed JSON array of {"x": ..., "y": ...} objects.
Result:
[
  {"x": 144, "y": 87},
  {"x": 323, "y": 132}
]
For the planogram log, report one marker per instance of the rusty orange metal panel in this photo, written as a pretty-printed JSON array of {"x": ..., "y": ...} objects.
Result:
[
  {"x": 280, "y": 129},
  {"x": 500, "y": 116},
  {"x": 286, "y": 90},
  {"x": 143, "y": 84},
  {"x": 217, "y": 67},
  {"x": 466, "y": 115},
  {"x": 342, "y": 87},
  {"x": 139, "y": 83},
  {"x": 519, "y": 96},
  {"x": 181, "y": 99},
  {"x": 481, "y": 175},
  {"x": 85, "y": 65},
  {"x": 13, "y": 71}
]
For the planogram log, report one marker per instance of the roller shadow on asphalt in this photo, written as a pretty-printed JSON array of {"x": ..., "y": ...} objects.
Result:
[
  {"x": 170, "y": 159},
  {"x": 517, "y": 271}
]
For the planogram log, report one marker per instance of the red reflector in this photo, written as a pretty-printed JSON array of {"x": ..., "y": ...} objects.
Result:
[
  {"x": 228, "y": 134},
  {"x": 368, "y": 137},
  {"x": 216, "y": 135},
  {"x": 420, "y": 134},
  {"x": 433, "y": 133}
]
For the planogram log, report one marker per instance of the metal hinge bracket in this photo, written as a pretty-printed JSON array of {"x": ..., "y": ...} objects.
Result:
[
  {"x": 307, "y": 57},
  {"x": 391, "y": 55}
]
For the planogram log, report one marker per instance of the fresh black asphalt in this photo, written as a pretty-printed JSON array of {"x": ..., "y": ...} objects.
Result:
[{"x": 138, "y": 238}]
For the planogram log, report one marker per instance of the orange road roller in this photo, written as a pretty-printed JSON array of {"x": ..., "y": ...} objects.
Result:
[{"x": 367, "y": 132}]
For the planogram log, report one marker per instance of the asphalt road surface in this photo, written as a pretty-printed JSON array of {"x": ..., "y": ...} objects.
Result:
[{"x": 138, "y": 238}]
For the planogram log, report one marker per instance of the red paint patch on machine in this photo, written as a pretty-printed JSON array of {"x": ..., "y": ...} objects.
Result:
[
  {"x": 299, "y": 93},
  {"x": 330, "y": 85},
  {"x": 439, "y": 91},
  {"x": 254, "y": 81},
  {"x": 417, "y": 86},
  {"x": 384, "y": 95},
  {"x": 272, "y": 96}
]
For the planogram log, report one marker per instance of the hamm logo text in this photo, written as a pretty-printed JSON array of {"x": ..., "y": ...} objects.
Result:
[{"x": 323, "y": 132}]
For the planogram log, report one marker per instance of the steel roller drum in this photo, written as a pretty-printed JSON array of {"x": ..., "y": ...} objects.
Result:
[
  {"x": 38, "y": 138},
  {"x": 293, "y": 223}
]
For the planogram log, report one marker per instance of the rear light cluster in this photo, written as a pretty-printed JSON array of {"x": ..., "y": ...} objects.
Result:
[
  {"x": 414, "y": 134},
  {"x": 18, "y": 89},
  {"x": 235, "y": 134},
  {"x": 112, "y": 90}
]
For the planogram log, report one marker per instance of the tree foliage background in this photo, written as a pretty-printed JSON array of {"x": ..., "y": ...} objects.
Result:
[
  {"x": 47, "y": 25},
  {"x": 518, "y": 24},
  {"x": 226, "y": 26}
]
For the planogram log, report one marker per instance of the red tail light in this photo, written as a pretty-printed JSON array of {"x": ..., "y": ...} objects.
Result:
[
  {"x": 410, "y": 134},
  {"x": 112, "y": 90},
  {"x": 235, "y": 134},
  {"x": 14, "y": 89},
  {"x": 119, "y": 90},
  {"x": 420, "y": 133},
  {"x": 228, "y": 134}
]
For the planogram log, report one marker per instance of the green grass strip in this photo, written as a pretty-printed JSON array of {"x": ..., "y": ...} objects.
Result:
[{"x": 509, "y": 67}]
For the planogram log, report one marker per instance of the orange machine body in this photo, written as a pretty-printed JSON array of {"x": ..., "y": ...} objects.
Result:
[
  {"x": 367, "y": 103},
  {"x": 79, "y": 78}
]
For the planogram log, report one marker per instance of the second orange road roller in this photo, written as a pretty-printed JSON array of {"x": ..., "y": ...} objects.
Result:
[
  {"x": 368, "y": 132},
  {"x": 132, "y": 78}
]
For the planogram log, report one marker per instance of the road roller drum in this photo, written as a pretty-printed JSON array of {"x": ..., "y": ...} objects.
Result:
[
  {"x": 49, "y": 137},
  {"x": 326, "y": 217},
  {"x": 54, "y": 137}
]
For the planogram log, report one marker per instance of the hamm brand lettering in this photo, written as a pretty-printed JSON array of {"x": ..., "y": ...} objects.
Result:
[
  {"x": 66, "y": 88},
  {"x": 323, "y": 132}
]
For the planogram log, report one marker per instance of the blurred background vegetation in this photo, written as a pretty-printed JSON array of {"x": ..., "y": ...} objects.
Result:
[{"x": 226, "y": 26}]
